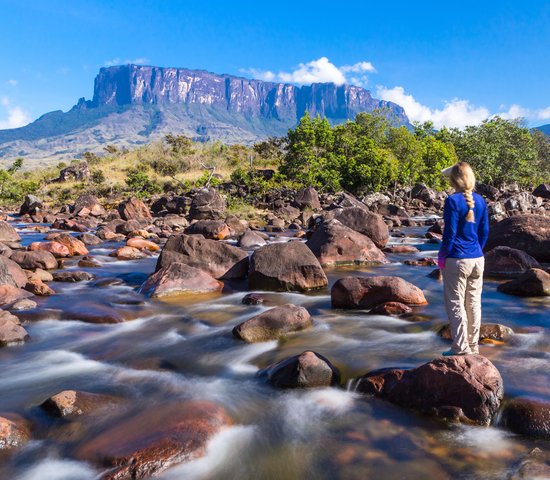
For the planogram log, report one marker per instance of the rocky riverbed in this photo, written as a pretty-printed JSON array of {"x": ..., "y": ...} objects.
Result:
[{"x": 169, "y": 339}]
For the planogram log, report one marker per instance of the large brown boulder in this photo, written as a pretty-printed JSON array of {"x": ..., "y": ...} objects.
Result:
[
  {"x": 335, "y": 244},
  {"x": 273, "y": 324},
  {"x": 533, "y": 283},
  {"x": 307, "y": 198},
  {"x": 368, "y": 223},
  {"x": 530, "y": 233},
  {"x": 14, "y": 431},
  {"x": 307, "y": 370},
  {"x": 508, "y": 262},
  {"x": 11, "y": 330},
  {"x": 528, "y": 416},
  {"x": 179, "y": 278},
  {"x": 58, "y": 250},
  {"x": 134, "y": 209},
  {"x": 34, "y": 260},
  {"x": 75, "y": 246},
  {"x": 207, "y": 204},
  {"x": 290, "y": 266},
  {"x": 212, "y": 229},
  {"x": 8, "y": 233},
  {"x": 465, "y": 388},
  {"x": 218, "y": 259},
  {"x": 88, "y": 205},
  {"x": 11, "y": 273},
  {"x": 368, "y": 292},
  {"x": 156, "y": 439}
]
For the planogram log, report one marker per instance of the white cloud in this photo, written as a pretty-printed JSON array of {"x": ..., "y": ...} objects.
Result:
[
  {"x": 119, "y": 61},
  {"x": 12, "y": 83},
  {"x": 17, "y": 117},
  {"x": 321, "y": 70}
]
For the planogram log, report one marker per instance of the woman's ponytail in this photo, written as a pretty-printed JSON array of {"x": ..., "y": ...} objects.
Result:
[
  {"x": 470, "y": 216},
  {"x": 463, "y": 180}
]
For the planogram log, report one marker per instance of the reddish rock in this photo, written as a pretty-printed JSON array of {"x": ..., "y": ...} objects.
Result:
[
  {"x": 38, "y": 287},
  {"x": 391, "y": 308},
  {"x": 367, "y": 223},
  {"x": 528, "y": 416},
  {"x": 14, "y": 432},
  {"x": 11, "y": 330},
  {"x": 142, "y": 244},
  {"x": 57, "y": 249},
  {"x": 88, "y": 262},
  {"x": 290, "y": 266},
  {"x": 8, "y": 233},
  {"x": 368, "y": 292},
  {"x": 128, "y": 253},
  {"x": 307, "y": 370},
  {"x": 273, "y": 324},
  {"x": 533, "y": 283},
  {"x": 34, "y": 260},
  {"x": 508, "y": 262},
  {"x": 178, "y": 278},
  {"x": 218, "y": 259},
  {"x": 10, "y": 294},
  {"x": 11, "y": 273},
  {"x": 69, "y": 403},
  {"x": 530, "y": 233},
  {"x": 88, "y": 205},
  {"x": 134, "y": 209},
  {"x": 333, "y": 243},
  {"x": 156, "y": 439},
  {"x": 74, "y": 245},
  {"x": 212, "y": 229},
  {"x": 464, "y": 388},
  {"x": 65, "y": 224}
]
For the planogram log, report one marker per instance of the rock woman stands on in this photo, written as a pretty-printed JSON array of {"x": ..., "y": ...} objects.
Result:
[{"x": 461, "y": 258}]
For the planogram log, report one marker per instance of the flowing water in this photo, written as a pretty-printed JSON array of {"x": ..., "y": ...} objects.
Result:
[{"x": 184, "y": 349}]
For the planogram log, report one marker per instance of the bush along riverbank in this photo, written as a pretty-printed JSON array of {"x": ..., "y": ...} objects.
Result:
[{"x": 299, "y": 262}]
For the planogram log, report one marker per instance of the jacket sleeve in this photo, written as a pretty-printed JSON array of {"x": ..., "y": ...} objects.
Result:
[
  {"x": 483, "y": 227},
  {"x": 450, "y": 217}
]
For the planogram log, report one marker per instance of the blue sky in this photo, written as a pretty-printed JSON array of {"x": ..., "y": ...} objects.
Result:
[{"x": 453, "y": 62}]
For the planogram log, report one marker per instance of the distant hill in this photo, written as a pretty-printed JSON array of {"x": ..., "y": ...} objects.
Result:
[
  {"x": 133, "y": 105},
  {"x": 544, "y": 129}
]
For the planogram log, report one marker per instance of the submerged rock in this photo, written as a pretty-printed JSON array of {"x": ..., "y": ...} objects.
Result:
[
  {"x": 368, "y": 292},
  {"x": 154, "y": 440},
  {"x": 533, "y": 283},
  {"x": 273, "y": 324},
  {"x": 287, "y": 266},
  {"x": 307, "y": 370},
  {"x": 179, "y": 278},
  {"x": 14, "y": 432},
  {"x": 391, "y": 308},
  {"x": 72, "y": 276},
  {"x": 465, "y": 388},
  {"x": 72, "y": 403},
  {"x": 528, "y": 416}
]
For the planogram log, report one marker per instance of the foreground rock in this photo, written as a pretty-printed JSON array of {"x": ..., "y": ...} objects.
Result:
[
  {"x": 287, "y": 266},
  {"x": 11, "y": 330},
  {"x": 218, "y": 259},
  {"x": 70, "y": 403},
  {"x": 333, "y": 243},
  {"x": 156, "y": 439},
  {"x": 367, "y": 223},
  {"x": 368, "y": 292},
  {"x": 273, "y": 324},
  {"x": 528, "y": 416},
  {"x": 8, "y": 233},
  {"x": 465, "y": 388},
  {"x": 179, "y": 278},
  {"x": 530, "y": 233},
  {"x": 307, "y": 370},
  {"x": 490, "y": 331},
  {"x": 508, "y": 262},
  {"x": 14, "y": 432},
  {"x": 533, "y": 466},
  {"x": 34, "y": 260},
  {"x": 533, "y": 283},
  {"x": 10, "y": 294}
]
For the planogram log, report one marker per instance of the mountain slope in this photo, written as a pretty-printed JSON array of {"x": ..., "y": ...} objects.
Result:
[
  {"x": 544, "y": 129},
  {"x": 135, "y": 104}
]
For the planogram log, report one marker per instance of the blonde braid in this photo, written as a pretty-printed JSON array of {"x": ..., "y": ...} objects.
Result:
[{"x": 470, "y": 217}]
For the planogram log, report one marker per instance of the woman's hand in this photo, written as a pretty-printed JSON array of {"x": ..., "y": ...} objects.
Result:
[{"x": 441, "y": 263}]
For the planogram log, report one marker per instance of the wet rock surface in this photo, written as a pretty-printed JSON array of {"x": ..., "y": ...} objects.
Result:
[
  {"x": 535, "y": 282},
  {"x": 528, "y": 416}
]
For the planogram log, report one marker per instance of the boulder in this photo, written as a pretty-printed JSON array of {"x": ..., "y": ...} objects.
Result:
[
  {"x": 491, "y": 331},
  {"x": 251, "y": 240},
  {"x": 128, "y": 253},
  {"x": 39, "y": 274},
  {"x": 290, "y": 266},
  {"x": 535, "y": 282},
  {"x": 78, "y": 171},
  {"x": 5, "y": 275},
  {"x": 423, "y": 193},
  {"x": 307, "y": 198},
  {"x": 134, "y": 209},
  {"x": 11, "y": 330},
  {"x": 212, "y": 229},
  {"x": 75, "y": 246},
  {"x": 10, "y": 294},
  {"x": 218, "y": 259},
  {"x": 89, "y": 239},
  {"x": 8, "y": 233},
  {"x": 530, "y": 233},
  {"x": 307, "y": 370},
  {"x": 335, "y": 244},
  {"x": 14, "y": 432},
  {"x": 88, "y": 205},
  {"x": 153, "y": 440},
  {"x": 508, "y": 262},
  {"x": 528, "y": 416},
  {"x": 38, "y": 287},
  {"x": 31, "y": 205},
  {"x": 367, "y": 223},
  {"x": 464, "y": 388},
  {"x": 543, "y": 190},
  {"x": 72, "y": 276},
  {"x": 58, "y": 250},
  {"x": 71, "y": 403},
  {"x": 179, "y": 278},
  {"x": 207, "y": 204},
  {"x": 368, "y": 292},
  {"x": 141, "y": 244},
  {"x": 33, "y": 260},
  {"x": 273, "y": 324},
  {"x": 23, "y": 304},
  {"x": 66, "y": 224}
]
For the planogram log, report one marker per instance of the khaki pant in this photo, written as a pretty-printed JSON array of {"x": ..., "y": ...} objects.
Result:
[{"x": 463, "y": 279}]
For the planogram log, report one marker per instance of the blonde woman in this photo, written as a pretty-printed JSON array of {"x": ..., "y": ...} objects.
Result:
[{"x": 461, "y": 258}]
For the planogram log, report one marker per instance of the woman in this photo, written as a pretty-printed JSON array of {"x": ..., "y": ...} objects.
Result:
[{"x": 461, "y": 258}]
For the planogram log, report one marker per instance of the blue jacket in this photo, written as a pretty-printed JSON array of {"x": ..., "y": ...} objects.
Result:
[{"x": 462, "y": 239}]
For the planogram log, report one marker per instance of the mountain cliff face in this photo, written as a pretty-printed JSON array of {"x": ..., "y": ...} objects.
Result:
[{"x": 135, "y": 104}]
